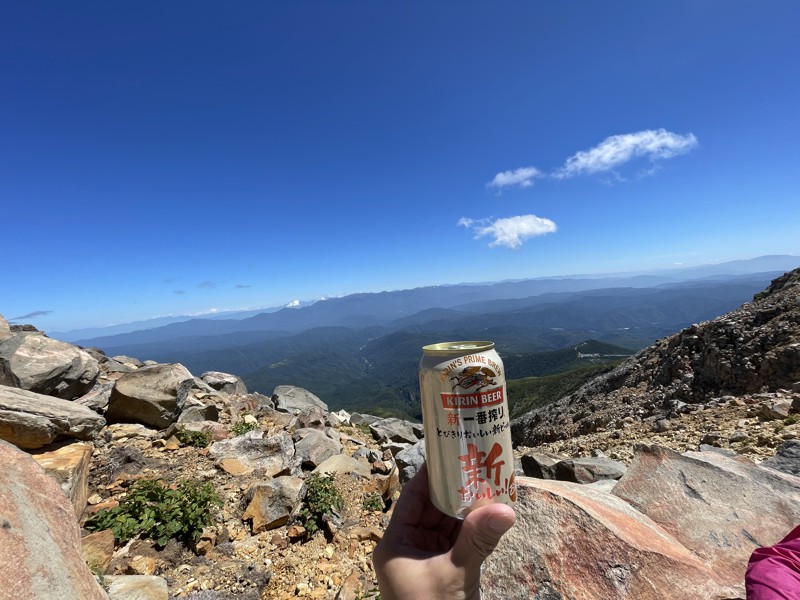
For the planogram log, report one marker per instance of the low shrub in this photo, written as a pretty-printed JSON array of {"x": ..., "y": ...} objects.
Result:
[
  {"x": 198, "y": 439},
  {"x": 155, "y": 509},
  {"x": 372, "y": 502},
  {"x": 321, "y": 498},
  {"x": 242, "y": 427}
]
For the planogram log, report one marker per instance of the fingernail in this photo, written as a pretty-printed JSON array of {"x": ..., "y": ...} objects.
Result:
[{"x": 499, "y": 524}]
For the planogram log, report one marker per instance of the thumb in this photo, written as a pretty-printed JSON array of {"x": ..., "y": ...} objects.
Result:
[{"x": 480, "y": 533}]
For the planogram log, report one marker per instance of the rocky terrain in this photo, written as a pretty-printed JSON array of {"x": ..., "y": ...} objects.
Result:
[
  {"x": 750, "y": 355},
  {"x": 643, "y": 484}
]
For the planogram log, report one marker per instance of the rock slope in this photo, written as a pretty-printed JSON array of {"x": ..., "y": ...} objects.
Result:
[{"x": 750, "y": 351}]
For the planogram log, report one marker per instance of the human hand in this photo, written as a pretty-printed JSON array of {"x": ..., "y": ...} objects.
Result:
[{"x": 427, "y": 554}]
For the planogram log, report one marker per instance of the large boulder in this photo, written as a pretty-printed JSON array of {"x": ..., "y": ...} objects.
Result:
[
  {"x": 786, "y": 459},
  {"x": 588, "y": 469},
  {"x": 32, "y": 361},
  {"x": 152, "y": 395},
  {"x": 341, "y": 464},
  {"x": 410, "y": 460},
  {"x": 40, "y": 543},
  {"x": 720, "y": 508},
  {"x": 224, "y": 382},
  {"x": 541, "y": 465},
  {"x": 313, "y": 447},
  {"x": 577, "y": 541},
  {"x": 291, "y": 399},
  {"x": 251, "y": 452},
  {"x": 395, "y": 430},
  {"x": 29, "y": 420}
]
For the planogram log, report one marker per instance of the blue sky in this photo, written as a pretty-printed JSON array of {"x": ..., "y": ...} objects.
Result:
[{"x": 180, "y": 157}]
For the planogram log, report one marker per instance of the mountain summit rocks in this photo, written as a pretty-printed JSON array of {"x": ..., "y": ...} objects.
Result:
[{"x": 754, "y": 349}]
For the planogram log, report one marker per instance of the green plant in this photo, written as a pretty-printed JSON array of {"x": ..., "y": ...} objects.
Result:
[
  {"x": 372, "y": 502},
  {"x": 321, "y": 498},
  {"x": 198, "y": 439},
  {"x": 778, "y": 427},
  {"x": 791, "y": 419},
  {"x": 364, "y": 428},
  {"x": 157, "y": 510},
  {"x": 242, "y": 427}
]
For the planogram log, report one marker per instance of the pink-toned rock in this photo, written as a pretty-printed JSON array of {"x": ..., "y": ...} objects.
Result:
[
  {"x": 40, "y": 544},
  {"x": 719, "y": 508},
  {"x": 69, "y": 465},
  {"x": 576, "y": 541}
]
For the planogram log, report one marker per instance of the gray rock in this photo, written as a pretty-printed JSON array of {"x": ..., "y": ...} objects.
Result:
[
  {"x": 34, "y": 362},
  {"x": 313, "y": 447},
  {"x": 194, "y": 410},
  {"x": 29, "y": 420},
  {"x": 313, "y": 417},
  {"x": 128, "y": 360},
  {"x": 588, "y": 469},
  {"x": 368, "y": 454},
  {"x": 291, "y": 399},
  {"x": 271, "y": 503},
  {"x": 342, "y": 464},
  {"x": 224, "y": 382},
  {"x": 540, "y": 465},
  {"x": 394, "y": 430},
  {"x": 738, "y": 436},
  {"x": 152, "y": 395},
  {"x": 395, "y": 448},
  {"x": 362, "y": 419},
  {"x": 410, "y": 460},
  {"x": 97, "y": 398},
  {"x": 786, "y": 459},
  {"x": 40, "y": 542},
  {"x": 342, "y": 416},
  {"x": 274, "y": 455},
  {"x": 779, "y": 409}
]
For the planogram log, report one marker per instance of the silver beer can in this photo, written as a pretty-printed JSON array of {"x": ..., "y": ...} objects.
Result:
[{"x": 467, "y": 426}]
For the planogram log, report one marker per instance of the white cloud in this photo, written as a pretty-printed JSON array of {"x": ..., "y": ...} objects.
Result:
[
  {"x": 510, "y": 231},
  {"x": 522, "y": 177},
  {"x": 293, "y": 304},
  {"x": 616, "y": 150}
]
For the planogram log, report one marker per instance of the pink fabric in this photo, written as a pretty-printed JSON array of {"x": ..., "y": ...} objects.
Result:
[{"x": 773, "y": 572}]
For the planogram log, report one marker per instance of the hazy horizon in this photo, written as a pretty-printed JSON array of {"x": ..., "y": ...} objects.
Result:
[{"x": 233, "y": 312}]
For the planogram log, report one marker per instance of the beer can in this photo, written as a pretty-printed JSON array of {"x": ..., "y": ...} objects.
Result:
[{"x": 467, "y": 426}]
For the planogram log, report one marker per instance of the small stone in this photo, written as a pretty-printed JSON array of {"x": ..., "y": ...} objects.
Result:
[
  {"x": 141, "y": 565},
  {"x": 295, "y": 532},
  {"x": 738, "y": 436}
]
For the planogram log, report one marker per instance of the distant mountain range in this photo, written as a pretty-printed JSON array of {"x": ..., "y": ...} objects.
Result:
[{"x": 361, "y": 351}]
